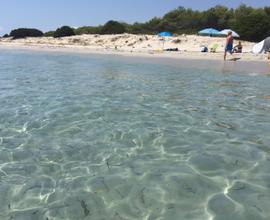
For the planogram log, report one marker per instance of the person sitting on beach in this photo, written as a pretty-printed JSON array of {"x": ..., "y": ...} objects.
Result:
[
  {"x": 229, "y": 44},
  {"x": 238, "y": 48}
]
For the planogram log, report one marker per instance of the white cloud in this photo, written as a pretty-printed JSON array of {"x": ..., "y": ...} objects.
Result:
[{"x": 1, "y": 28}]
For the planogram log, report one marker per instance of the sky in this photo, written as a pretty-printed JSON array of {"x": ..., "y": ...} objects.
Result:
[{"x": 51, "y": 14}]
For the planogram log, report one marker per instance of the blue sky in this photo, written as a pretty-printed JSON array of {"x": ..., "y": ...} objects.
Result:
[{"x": 50, "y": 14}]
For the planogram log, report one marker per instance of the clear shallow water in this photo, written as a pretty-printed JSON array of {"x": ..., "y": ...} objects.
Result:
[{"x": 102, "y": 137}]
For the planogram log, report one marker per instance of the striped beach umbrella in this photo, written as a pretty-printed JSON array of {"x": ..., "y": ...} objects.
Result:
[{"x": 226, "y": 31}]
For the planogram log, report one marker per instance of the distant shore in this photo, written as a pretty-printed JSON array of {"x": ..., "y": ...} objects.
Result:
[{"x": 189, "y": 46}]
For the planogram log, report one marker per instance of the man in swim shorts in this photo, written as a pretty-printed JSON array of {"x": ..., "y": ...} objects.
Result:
[{"x": 229, "y": 44}]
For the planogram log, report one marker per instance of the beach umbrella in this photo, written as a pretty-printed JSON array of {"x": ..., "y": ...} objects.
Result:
[
  {"x": 226, "y": 31},
  {"x": 165, "y": 34},
  {"x": 209, "y": 31}
]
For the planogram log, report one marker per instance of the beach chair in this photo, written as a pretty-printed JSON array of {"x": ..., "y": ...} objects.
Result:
[{"x": 213, "y": 49}]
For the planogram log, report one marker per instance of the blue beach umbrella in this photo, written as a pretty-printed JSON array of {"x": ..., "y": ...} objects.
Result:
[
  {"x": 209, "y": 31},
  {"x": 165, "y": 34}
]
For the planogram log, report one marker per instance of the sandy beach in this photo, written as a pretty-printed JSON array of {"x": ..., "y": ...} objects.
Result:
[{"x": 189, "y": 46}]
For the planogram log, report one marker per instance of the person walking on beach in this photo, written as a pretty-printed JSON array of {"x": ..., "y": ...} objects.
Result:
[{"x": 229, "y": 44}]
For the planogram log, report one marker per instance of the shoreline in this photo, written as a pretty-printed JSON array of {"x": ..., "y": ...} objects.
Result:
[
  {"x": 189, "y": 46},
  {"x": 187, "y": 55},
  {"x": 187, "y": 59}
]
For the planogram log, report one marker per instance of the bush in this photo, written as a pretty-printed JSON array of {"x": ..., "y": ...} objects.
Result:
[
  {"x": 25, "y": 32},
  {"x": 5, "y": 36},
  {"x": 49, "y": 34},
  {"x": 64, "y": 31},
  {"x": 88, "y": 30},
  {"x": 113, "y": 27}
]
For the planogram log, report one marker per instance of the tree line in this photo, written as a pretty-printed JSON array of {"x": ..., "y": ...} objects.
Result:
[{"x": 253, "y": 24}]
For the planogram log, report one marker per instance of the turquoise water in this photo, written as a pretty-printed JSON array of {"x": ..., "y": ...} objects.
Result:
[{"x": 104, "y": 137}]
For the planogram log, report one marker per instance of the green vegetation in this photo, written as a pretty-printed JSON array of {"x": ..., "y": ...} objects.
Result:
[
  {"x": 5, "y": 35},
  {"x": 113, "y": 27},
  {"x": 88, "y": 30},
  {"x": 252, "y": 24},
  {"x": 49, "y": 34},
  {"x": 64, "y": 31},
  {"x": 25, "y": 32}
]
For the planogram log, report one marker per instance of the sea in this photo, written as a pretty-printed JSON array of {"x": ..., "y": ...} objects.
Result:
[{"x": 110, "y": 137}]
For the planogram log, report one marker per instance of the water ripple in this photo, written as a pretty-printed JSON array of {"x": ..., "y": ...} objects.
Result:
[{"x": 96, "y": 137}]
